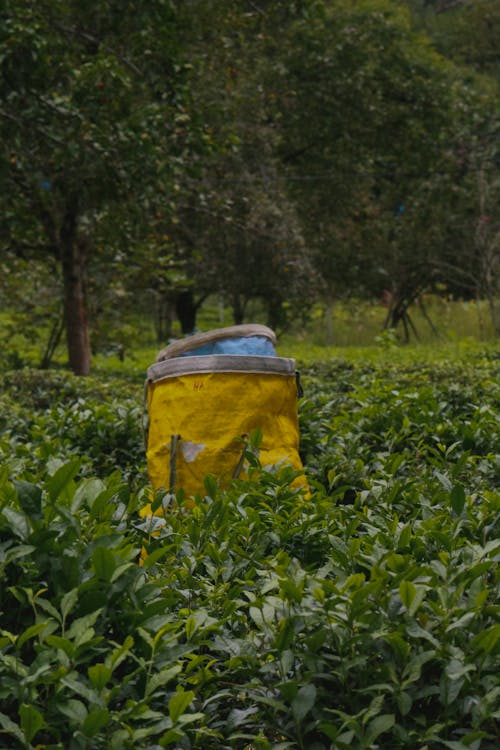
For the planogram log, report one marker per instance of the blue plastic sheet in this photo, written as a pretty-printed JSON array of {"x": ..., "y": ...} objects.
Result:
[{"x": 259, "y": 345}]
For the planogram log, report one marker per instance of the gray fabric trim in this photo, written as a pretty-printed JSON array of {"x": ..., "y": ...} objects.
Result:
[
  {"x": 171, "y": 368},
  {"x": 199, "y": 339}
]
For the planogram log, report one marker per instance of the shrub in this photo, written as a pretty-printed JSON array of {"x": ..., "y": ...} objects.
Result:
[
  {"x": 53, "y": 416},
  {"x": 361, "y": 615}
]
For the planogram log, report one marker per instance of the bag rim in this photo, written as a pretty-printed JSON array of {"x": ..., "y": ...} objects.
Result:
[{"x": 235, "y": 363}]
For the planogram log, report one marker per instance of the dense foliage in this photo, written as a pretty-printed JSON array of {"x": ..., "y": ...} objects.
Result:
[
  {"x": 362, "y": 615},
  {"x": 268, "y": 151}
]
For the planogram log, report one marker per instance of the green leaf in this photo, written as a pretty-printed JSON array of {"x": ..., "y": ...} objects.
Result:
[
  {"x": 161, "y": 678},
  {"x": 155, "y": 557},
  {"x": 61, "y": 643},
  {"x": 68, "y": 602},
  {"x": 173, "y": 735},
  {"x": 211, "y": 486},
  {"x": 15, "y": 553},
  {"x": 405, "y": 537},
  {"x": 74, "y": 709},
  {"x": 457, "y": 498},
  {"x": 407, "y": 592},
  {"x": 292, "y": 591},
  {"x": 119, "y": 739},
  {"x": 99, "y": 675},
  {"x": 120, "y": 654},
  {"x": 178, "y": 703},
  {"x": 487, "y": 639},
  {"x": 49, "y": 608},
  {"x": 255, "y": 440},
  {"x": 31, "y": 721},
  {"x": 190, "y": 718},
  {"x": 413, "y": 668},
  {"x": 190, "y": 626},
  {"x": 30, "y": 498},
  {"x": 405, "y": 703},
  {"x": 87, "y": 492},
  {"x": 31, "y": 632},
  {"x": 18, "y": 522},
  {"x": 462, "y": 622},
  {"x": 146, "y": 637},
  {"x": 376, "y": 727},
  {"x": 62, "y": 478},
  {"x": 285, "y": 634},
  {"x": 82, "y": 624},
  {"x": 79, "y": 687},
  {"x": 95, "y": 721},
  {"x": 11, "y": 727},
  {"x": 104, "y": 563},
  {"x": 399, "y": 645},
  {"x": 257, "y": 616},
  {"x": 303, "y": 701},
  {"x": 420, "y": 592},
  {"x": 354, "y": 581},
  {"x": 7, "y": 637}
]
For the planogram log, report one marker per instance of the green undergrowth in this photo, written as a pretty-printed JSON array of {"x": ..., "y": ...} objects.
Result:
[
  {"x": 363, "y": 614},
  {"x": 49, "y": 416}
]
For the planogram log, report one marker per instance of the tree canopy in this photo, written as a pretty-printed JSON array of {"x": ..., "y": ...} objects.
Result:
[
  {"x": 94, "y": 129},
  {"x": 258, "y": 150}
]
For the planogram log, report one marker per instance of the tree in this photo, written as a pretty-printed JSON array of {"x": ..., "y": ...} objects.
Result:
[
  {"x": 378, "y": 97},
  {"x": 94, "y": 127},
  {"x": 237, "y": 231},
  {"x": 264, "y": 150},
  {"x": 457, "y": 202},
  {"x": 374, "y": 177},
  {"x": 30, "y": 294},
  {"x": 469, "y": 264}
]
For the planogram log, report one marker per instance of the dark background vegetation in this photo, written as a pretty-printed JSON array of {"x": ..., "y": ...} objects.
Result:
[{"x": 157, "y": 152}]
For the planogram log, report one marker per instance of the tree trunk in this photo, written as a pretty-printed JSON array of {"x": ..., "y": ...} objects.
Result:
[
  {"x": 238, "y": 309},
  {"x": 494, "y": 313},
  {"x": 53, "y": 342},
  {"x": 275, "y": 317},
  {"x": 329, "y": 321},
  {"x": 490, "y": 262},
  {"x": 74, "y": 258},
  {"x": 186, "y": 309},
  {"x": 164, "y": 316}
]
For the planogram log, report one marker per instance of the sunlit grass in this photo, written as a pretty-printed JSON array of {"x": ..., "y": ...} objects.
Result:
[{"x": 354, "y": 332}]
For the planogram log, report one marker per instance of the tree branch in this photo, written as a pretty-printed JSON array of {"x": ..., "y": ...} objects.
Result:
[
  {"x": 446, "y": 5},
  {"x": 73, "y": 31},
  {"x": 32, "y": 125}
]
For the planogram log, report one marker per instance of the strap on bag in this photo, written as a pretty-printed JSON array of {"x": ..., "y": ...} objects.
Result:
[{"x": 174, "y": 444}]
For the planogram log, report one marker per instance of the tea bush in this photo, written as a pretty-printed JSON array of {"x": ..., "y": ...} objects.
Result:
[
  {"x": 363, "y": 614},
  {"x": 51, "y": 416}
]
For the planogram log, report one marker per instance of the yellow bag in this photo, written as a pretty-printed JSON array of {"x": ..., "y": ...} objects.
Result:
[{"x": 202, "y": 408}]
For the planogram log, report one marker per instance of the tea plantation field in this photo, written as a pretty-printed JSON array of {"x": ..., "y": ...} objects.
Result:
[{"x": 362, "y": 615}]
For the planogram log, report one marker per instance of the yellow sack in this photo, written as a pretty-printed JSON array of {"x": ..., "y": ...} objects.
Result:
[{"x": 202, "y": 408}]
